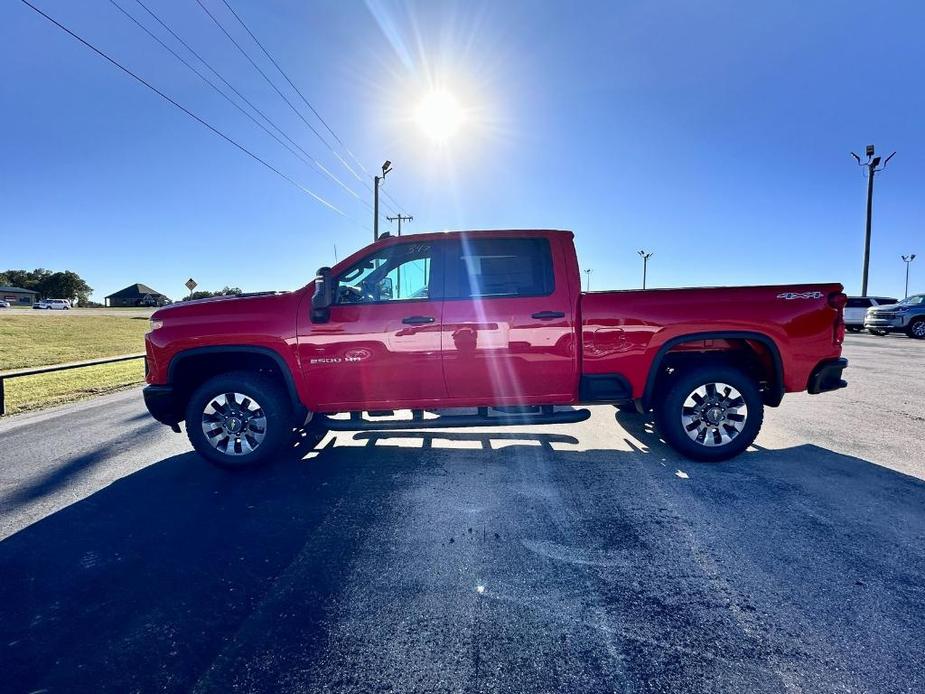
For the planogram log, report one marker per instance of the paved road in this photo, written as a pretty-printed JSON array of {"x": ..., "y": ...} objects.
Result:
[{"x": 586, "y": 558}]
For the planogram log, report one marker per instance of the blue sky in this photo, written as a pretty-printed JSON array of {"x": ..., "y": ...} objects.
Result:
[{"x": 716, "y": 134}]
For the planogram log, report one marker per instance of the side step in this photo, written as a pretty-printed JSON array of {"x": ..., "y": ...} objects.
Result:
[{"x": 547, "y": 416}]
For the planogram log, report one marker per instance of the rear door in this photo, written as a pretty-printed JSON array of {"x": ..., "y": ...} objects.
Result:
[
  {"x": 508, "y": 321},
  {"x": 856, "y": 309}
]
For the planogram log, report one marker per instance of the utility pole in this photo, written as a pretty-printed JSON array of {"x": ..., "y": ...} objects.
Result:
[
  {"x": 588, "y": 272},
  {"x": 386, "y": 167},
  {"x": 908, "y": 260},
  {"x": 645, "y": 262},
  {"x": 873, "y": 166},
  {"x": 399, "y": 219}
]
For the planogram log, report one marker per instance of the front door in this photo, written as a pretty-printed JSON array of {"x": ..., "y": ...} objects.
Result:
[
  {"x": 381, "y": 347},
  {"x": 508, "y": 322}
]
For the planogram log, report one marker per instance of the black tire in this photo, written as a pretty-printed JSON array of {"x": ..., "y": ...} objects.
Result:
[
  {"x": 916, "y": 329},
  {"x": 671, "y": 407},
  {"x": 273, "y": 414},
  {"x": 854, "y": 329}
]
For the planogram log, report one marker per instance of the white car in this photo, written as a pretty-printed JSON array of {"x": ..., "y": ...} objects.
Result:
[
  {"x": 856, "y": 310},
  {"x": 4, "y": 304},
  {"x": 53, "y": 304}
]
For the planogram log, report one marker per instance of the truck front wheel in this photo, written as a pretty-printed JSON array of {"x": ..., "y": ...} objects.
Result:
[
  {"x": 238, "y": 419},
  {"x": 710, "y": 413}
]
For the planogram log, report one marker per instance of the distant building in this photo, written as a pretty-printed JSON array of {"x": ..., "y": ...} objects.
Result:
[
  {"x": 18, "y": 296},
  {"x": 137, "y": 295}
]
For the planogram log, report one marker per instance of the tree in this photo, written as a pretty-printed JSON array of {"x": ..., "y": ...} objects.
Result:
[
  {"x": 49, "y": 285},
  {"x": 65, "y": 285},
  {"x": 224, "y": 291}
]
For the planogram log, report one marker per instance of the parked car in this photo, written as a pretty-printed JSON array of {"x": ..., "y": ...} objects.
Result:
[
  {"x": 4, "y": 304},
  {"x": 53, "y": 304},
  {"x": 907, "y": 316},
  {"x": 494, "y": 321},
  {"x": 856, "y": 310}
]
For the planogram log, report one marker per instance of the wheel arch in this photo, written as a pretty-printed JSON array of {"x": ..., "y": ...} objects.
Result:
[
  {"x": 191, "y": 367},
  {"x": 775, "y": 391}
]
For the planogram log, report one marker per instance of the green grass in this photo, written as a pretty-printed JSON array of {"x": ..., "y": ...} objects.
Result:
[
  {"x": 29, "y": 341},
  {"x": 44, "y": 390}
]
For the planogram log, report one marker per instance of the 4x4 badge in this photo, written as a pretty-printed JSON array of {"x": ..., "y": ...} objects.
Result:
[{"x": 800, "y": 295}]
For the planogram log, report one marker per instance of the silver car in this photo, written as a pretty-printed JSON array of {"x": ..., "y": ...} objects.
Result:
[{"x": 907, "y": 316}]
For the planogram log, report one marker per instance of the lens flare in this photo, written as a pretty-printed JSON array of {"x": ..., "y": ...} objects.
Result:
[{"x": 439, "y": 116}]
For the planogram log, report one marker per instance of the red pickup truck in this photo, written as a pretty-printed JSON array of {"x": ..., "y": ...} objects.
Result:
[{"x": 494, "y": 322}]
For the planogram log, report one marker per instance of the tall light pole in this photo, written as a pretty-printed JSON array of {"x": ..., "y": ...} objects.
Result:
[
  {"x": 873, "y": 166},
  {"x": 386, "y": 167},
  {"x": 908, "y": 260},
  {"x": 588, "y": 272},
  {"x": 645, "y": 262}
]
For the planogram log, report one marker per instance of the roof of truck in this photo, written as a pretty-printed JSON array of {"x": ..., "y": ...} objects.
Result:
[{"x": 462, "y": 232}]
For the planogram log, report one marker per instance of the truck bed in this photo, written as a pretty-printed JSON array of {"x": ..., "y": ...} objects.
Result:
[{"x": 624, "y": 331}]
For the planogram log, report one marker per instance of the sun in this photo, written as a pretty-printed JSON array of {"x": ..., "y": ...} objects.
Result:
[{"x": 439, "y": 116}]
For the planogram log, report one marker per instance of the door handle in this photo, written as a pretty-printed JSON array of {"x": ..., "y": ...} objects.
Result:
[
  {"x": 417, "y": 320},
  {"x": 548, "y": 315}
]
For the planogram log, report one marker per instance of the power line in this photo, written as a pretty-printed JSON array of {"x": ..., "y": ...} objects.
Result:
[
  {"x": 276, "y": 89},
  {"x": 291, "y": 84},
  {"x": 306, "y": 101},
  {"x": 192, "y": 115},
  {"x": 307, "y": 158},
  {"x": 247, "y": 101}
]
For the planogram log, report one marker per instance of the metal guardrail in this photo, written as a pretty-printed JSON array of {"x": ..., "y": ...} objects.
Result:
[{"x": 18, "y": 373}]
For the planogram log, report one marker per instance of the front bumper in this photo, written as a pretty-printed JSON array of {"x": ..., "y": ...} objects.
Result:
[
  {"x": 892, "y": 323},
  {"x": 827, "y": 376},
  {"x": 163, "y": 404}
]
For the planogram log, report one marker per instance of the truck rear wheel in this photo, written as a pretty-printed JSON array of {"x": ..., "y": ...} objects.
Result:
[
  {"x": 238, "y": 419},
  {"x": 710, "y": 413}
]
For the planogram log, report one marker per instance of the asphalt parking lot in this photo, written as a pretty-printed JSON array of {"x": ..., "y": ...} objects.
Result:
[{"x": 582, "y": 558}]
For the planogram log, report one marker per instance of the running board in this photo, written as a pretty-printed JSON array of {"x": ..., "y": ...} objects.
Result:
[{"x": 357, "y": 423}]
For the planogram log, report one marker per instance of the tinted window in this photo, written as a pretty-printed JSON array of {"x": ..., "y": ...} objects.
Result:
[
  {"x": 858, "y": 303},
  {"x": 500, "y": 268},
  {"x": 396, "y": 273}
]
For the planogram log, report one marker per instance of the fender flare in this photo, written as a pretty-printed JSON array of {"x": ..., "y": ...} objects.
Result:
[
  {"x": 281, "y": 364},
  {"x": 774, "y": 396}
]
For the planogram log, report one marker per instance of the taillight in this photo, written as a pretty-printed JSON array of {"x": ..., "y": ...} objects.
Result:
[{"x": 837, "y": 300}]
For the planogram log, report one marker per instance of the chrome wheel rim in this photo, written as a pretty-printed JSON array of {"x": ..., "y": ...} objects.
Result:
[
  {"x": 714, "y": 414},
  {"x": 918, "y": 329},
  {"x": 234, "y": 424}
]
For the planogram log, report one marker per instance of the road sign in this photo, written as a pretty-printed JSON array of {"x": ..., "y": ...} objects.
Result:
[{"x": 191, "y": 284}]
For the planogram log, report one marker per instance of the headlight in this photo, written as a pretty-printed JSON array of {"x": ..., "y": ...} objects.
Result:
[{"x": 155, "y": 324}]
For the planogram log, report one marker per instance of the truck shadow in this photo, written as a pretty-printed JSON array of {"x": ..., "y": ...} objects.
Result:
[{"x": 181, "y": 574}]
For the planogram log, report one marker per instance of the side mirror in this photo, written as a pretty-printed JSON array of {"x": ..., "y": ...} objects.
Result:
[{"x": 323, "y": 297}]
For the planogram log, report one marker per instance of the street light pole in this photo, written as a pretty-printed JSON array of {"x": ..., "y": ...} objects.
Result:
[
  {"x": 645, "y": 262},
  {"x": 908, "y": 260},
  {"x": 588, "y": 272},
  {"x": 386, "y": 167},
  {"x": 873, "y": 166}
]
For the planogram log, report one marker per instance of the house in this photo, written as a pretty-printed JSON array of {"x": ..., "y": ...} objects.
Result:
[
  {"x": 137, "y": 295},
  {"x": 18, "y": 296}
]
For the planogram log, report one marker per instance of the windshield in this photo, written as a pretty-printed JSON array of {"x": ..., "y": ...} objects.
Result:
[{"x": 914, "y": 300}]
